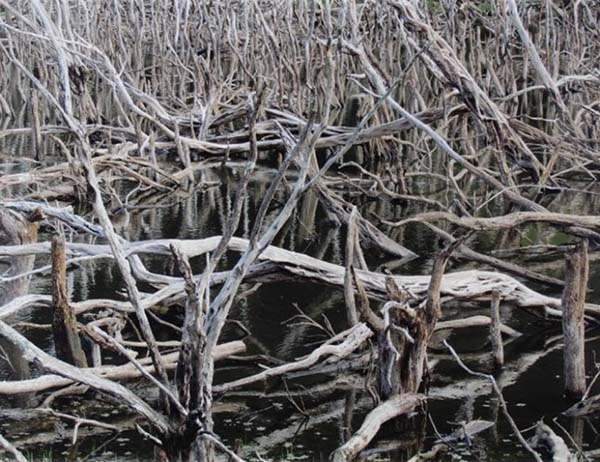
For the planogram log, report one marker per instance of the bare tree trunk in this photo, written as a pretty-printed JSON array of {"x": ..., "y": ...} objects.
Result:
[
  {"x": 495, "y": 330},
  {"x": 64, "y": 323},
  {"x": 573, "y": 301},
  {"x": 14, "y": 230}
]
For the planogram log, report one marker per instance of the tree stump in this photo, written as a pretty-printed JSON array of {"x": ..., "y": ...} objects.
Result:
[
  {"x": 573, "y": 301},
  {"x": 64, "y": 323}
]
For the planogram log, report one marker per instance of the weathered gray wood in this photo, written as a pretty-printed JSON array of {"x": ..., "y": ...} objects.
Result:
[
  {"x": 116, "y": 373},
  {"x": 32, "y": 353},
  {"x": 351, "y": 241},
  {"x": 394, "y": 407},
  {"x": 17, "y": 229},
  {"x": 546, "y": 437},
  {"x": 353, "y": 339},
  {"x": 36, "y": 135},
  {"x": 468, "y": 430},
  {"x": 8, "y": 447},
  {"x": 573, "y": 302},
  {"x": 496, "y": 330},
  {"x": 474, "y": 321},
  {"x": 469, "y": 284}
]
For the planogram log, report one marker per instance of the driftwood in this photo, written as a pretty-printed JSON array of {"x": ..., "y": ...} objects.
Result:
[
  {"x": 456, "y": 114},
  {"x": 390, "y": 409},
  {"x": 586, "y": 407},
  {"x": 545, "y": 437},
  {"x": 476, "y": 321},
  {"x": 507, "y": 221},
  {"x": 7, "y": 446},
  {"x": 33, "y": 354},
  {"x": 468, "y": 430},
  {"x": 350, "y": 341},
  {"x": 17, "y": 229},
  {"x": 116, "y": 373},
  {"x": 463, "y": 284}
]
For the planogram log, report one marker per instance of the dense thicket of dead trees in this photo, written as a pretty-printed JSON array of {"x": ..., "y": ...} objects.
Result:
[{"x": 474, "y": 117}]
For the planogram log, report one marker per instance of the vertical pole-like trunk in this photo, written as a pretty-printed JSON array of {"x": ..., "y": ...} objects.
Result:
[
  {"x": 425, "y": 321},
  {"x": 64, "y": 324},
  {"x": 573, "y": 300},
  {"x": 36, "y": 129},
  {"x": 351, "y": 243},
  {"x": 495, "y": 333},
  {"x": 349, "y": 403},
  {"x": 15, "y": 230}
]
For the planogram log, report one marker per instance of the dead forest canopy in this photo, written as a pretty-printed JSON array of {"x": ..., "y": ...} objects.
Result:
[{"x": 404, "y": 191}]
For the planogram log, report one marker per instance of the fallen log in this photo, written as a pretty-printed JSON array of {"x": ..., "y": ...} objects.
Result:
[
  {"x": 509, "y": 221},
  {"x": 470, "y": 284},
  {"x": 475, "y": 321},
  {"x": 546, "y": 437},
  {"x": 352, "y": 339},
  {"x": 8, "y": 447},
  {"x": 121, "y": 373},
  {"x": 585, "y": 407},
  {"x": 33, "y": 354},
  {"x": 394, "y": 407}
]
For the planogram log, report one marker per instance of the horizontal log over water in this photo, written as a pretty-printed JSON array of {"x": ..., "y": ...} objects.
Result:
[
  {"x": 471, "y": 284},
  {"x": 120, "y": 373},
  {"x": 507, "y": 221}
]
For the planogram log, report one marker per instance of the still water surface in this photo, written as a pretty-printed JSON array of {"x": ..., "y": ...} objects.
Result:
[{"x": 311, "y": 418}]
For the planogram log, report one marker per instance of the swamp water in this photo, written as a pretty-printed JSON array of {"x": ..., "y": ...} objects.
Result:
[{"x": 306, "y": 418}]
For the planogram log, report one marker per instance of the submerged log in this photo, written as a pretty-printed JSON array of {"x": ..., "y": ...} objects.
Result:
[
  {"x": 433, "y": 454},
  {"x": 467, "y": 430},
  {"x": 119, "y": 393},
  {"x": 64, "y": 323}
]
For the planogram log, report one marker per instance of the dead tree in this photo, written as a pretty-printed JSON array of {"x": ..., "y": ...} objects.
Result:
[
  {"x": 573, "y": 301},
  {"x": 495, "y": 330},
  {"x": 64, "y": 323}
]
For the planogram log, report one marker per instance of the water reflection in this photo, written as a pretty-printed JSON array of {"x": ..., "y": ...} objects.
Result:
[{"x": 312, "y": 417}]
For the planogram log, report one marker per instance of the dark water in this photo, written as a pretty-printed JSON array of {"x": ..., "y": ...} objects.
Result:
[{"x": 304, "y": 418}]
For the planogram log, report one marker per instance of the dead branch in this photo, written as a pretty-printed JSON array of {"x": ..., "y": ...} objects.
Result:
[{"x": 396, "y": 406}]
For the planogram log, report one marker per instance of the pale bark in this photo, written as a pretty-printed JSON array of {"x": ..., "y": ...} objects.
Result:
[{"x": 396, "y": 406}]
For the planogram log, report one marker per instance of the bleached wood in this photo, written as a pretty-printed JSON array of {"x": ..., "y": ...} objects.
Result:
[{"x": 395, "y": 406}]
